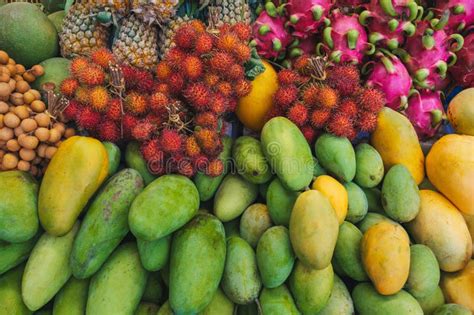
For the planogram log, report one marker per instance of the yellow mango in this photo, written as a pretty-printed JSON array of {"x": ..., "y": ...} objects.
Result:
[
  {"x": 461, "y": 112},
  {"x": 385, "y": 251},
  {"x": 441, "y": 227},
  {"x": 313, "y": 229},
  {"x": 73, "y": 176},
  {"x": 458, "y": 287},
  {"x": 335, "y": 192},
  {"x": 450, "y": 168},
  {"x": 470, "y": 225},
  {"x": 396, "y": 141}
]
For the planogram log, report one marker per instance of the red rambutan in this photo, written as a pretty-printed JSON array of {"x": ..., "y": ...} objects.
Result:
[
  {"x": 136, "y": 103},
  {"x": 158, "y": 103},
  {"x": 211, "y": 79},
  {"x": 109, "y": 131},
  {"x": 242, "y": 52},
  {"x": 68, "y": 87},
  {"x": 344, "y": 77},
  {"x": 162, "y": 88},
  {"x": 191, "y": 147},
  {"x": 176, "y": 83},
  {"x": 129, "y": 75},
  {"x": 72, "y": 111},
  {"x": 204, "y": 44},
  {"x": 209, "y": 141},
  {"x": 221, "y": 62},
  {"x": 298, "y": 114},
  {"x": 99, "y": 98},
  {"x": 198, "y": 95},
  {"x": 163, "y": 70},
  {"x": 192, "y": 67},
  {"x": 351, "y": 134},
  {"x": 285, "y": 96},
  {"x": 215, "y": 168},
  {"x": 242, "y": 30},
  {"x": 310, "y": 95},
  {"x": 78, "y": 64},
  {"x": 227, "y": 42},
  {"x": 185, "y": 167},
  {"x": 185, "y": 37},
  {"x": 348, "y": 107},
  {"x": 102, "y": 57},
  {"x": 340, "y": 125},
  {"x": 201, "y": 162},
  {"x": 143, "y": 131},
  {"x": 89, "y": 119},
  {"x": 198, "y": 25},
  {"x": 232, "y": 104},
  {"x": 328, "y": 97},
  {"x": 320, "y": 117},
  {"x": 225, "y": 88},
  {"x": 156, "y": 120},
  {"x": 145, "y": 82},
  {"x": 301, "y": 64},
  {"x": 242, "y": 88},
  {"x": 175, "y": 57},
  {"x": 275, "y": 111},
  {"x": 309, "y": 133},
  {"x": 114, "y": 110},
  {"x": 224, "y": 28},
  {"x": 151, "y": 150},
  {"x": 171, "y": 141},
  {"x": 82, "y": 95},
  {"x": 288, "y": 77},
  {"x": 128, "y": 122},
  {"x": 219, "y": 104},
  {"x": 206, "y": 120},
  {"x": 236, "y": 72},
  {"x": 92, "y": 75},
  {"x": 367, "y": 121},
  {"x": 372, "y": 100}
]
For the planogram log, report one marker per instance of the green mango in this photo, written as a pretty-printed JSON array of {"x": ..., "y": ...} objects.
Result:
[
  {"x": 288, "y": 153},
  {"x": 234, "y": 195},
  {"x": 452, "y": 309},
  {"x": 280, "y": 202},
  {"x": 232, "y": 228},
  {"x": 10, "y": 293},
  {"x": 207, "y": 185},
  {"x": 311, "y": 288},
  {"x": 47, "y": 269},
  {"x": 340, "y": 302},
  {"x": 368, "y": 301},
  {"x": 57, "y": 19},
  {"x": 358, "y": 204},
  {"x": 134, "y": 159},
  {"x": 72, "y": 298},
  {"x": 105, "y": 224},
  {"x": 155, "y": 289},
  {"x": 250, "y": 160},
  {"x": 318, "y": 170},
  {"x": 220, "y": 305},
  {"x": 263, "y": 189},
  {"x": 374, "y": 199},
  {"x": 275, "y": 256},
  {"x": 369, "y": 166},
  {"x": 165, "y": 309},
  {"x": 13, "y": 254},
  {"x": 400, "y": 194},
  {"x": 347, "y": 252},
  {"x": 240, "y": 281},
  {"x": 119, "y": 284},
  {"x": 154, "y": 254},
  {"x": 165, "y": 205},
  {"x": 113, "y": 153},
  {"x": 372, "y": 219},
  {"x": 337, "y": 156},
  {"x": 18, "y": 206},
  {"x": 147, "y": 308},
  {"x": 196, "y": 264},
  {"x": 254, "y": 222},
  {"x": 424, "y": 275},
  {"x": 431, "y": 302},
  {"x": 278, "y": 301}
]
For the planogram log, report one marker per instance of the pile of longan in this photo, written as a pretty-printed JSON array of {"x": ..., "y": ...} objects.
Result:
[{"x": 29, "y": 135}]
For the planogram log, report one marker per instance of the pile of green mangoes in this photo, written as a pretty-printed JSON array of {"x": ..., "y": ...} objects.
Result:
[{"x": 284, "y": 230}]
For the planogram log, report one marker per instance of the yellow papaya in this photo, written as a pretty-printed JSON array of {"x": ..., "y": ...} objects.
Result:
[
  {"x": 385, "y": 251},
  {"x": 458, "y": 287},
  {"x": 396, "y": 141},
  {"x": 73, "y": 176},
  {"x": 450, "y": 168},
  {"x": 470, "y": 225},
  {"x": 335, "y": 192},
  {"x": 461, "y": 112}
]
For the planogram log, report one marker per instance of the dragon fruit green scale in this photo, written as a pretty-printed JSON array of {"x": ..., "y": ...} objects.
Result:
[
  {"x": 306, "y": 16},
  {"x": 461, "y": 13},
  {"x": 425, "y": 111}
]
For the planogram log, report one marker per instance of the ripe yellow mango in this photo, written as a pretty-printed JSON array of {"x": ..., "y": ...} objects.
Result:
[
  {"x": 470, "y": 225},
  {"x": 459, "y": 287},
  {"x": 461, "y": 112},
  {"x": 396, "y": 141},
  {"x": 450, "y": 168},
  {"x": 335, "y": 192},
  {"x": 73, "y": 176},
  {"x": 385, "y": 251}
]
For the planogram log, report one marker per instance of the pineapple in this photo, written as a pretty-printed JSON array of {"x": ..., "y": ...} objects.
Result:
[
  {"x": 166, "y": 34},
  {"x": 233, "y": 11}
]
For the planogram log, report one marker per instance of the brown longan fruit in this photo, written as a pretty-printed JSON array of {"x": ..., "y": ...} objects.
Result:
[
  {"x": 42, "y": 134},
  {"x": 41, "y": 150},
  {"x": 28, "y": 125},
  {"x": 2, "y": 153},
  {"x": 10, "y": 161},
  {"x": 20, "y": 69},
  {"x": 11, "y": 61},
  {"x": 13, "y": 145},
  {"x": 43, "y": 120},
  {"x": 18, "y": 131},
  {"x": 11, "y": 68},
  {"x": 5, "y": 89},
  {"x": 12, "y": 84},
  {"x": 28, "y": 97},
  {"x": 37, "y": 160},
  {"x": 36, "y": 93},
  {"x": 58, "y": 144},
  {"x": 27, "y": 154},
  {"x": 50, "y": 152},
  {"x": 34, "y": 170},
  {"x": 22, "y": 111},
  {"x": 60, "y": 127},
  {"x": 3, "y": 57},
  {"x": 18, "y": 78},
  {"x": 38, "y": 106},
  {"x": 1, "y": 121},
  {"x": 37, "y": 70},
  {"x": 23, "y": 166},
  {"x": 6, "y": 134},
  {"x": 4, "y": 107},
  {"x": 4, "y": 76},
  {"x": 11, "y": 120},
  {"x": 70, "y": 132},
  {"x": 17, "y": 99},
  {"x": 54, "y": 136},
  {"x": 22, "y": 86},
  {"x": 29, "y": 142},
  {"x": 29, "y": 77}
]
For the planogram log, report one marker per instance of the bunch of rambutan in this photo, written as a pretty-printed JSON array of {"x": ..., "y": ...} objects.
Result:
[{"x": 336, "y": 102}]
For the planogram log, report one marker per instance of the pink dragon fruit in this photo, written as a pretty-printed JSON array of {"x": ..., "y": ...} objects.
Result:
[
  {"x": 425, "y": 111},
  {"x": 345, "y": 39},
  {"x": 271, "y": 38},
  {"x": 463, "y": 71},
  {"x": 428, "y": 54},
  {"x": 304, "y": 46},
  {"x": 351, "y": 3},
  {"x": 391, "y": 77},
  {"x": 306, "y": 16},
  {"x": 461, "y": 14}
]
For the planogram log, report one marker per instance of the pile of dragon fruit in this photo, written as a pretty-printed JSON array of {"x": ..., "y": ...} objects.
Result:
[{"x": 412, "y": 51}]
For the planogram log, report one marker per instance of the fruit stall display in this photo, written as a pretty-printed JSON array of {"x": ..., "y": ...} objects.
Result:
[{"x": 237, "y": 157}]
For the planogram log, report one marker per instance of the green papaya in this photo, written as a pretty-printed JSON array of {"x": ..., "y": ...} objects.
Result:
[
  {"x": 254, "y": 222},
  {"x": 72, "y": 298},
  {"x": 155, "y": 289},
  {"x": 280, "y": 202},
  {"x": 10, "y": 293},
  {"x": 207, "y": 185},
  {"x": 165, "y": 205},
  {"x": 234, "y": 195},
  {"x": 250, "y": 160},
  {"x": 165, "y": 309},
  {"x": 135, "y": 160},
  {"x": 347, "y": 252},
  {"x": 431, "y": 302},
  {"x": 105, "y": 224},
  {"x": 311, "y": 288},
  {"x": 400, "y": 194},
  {"x": 452, "y": 309},
  {"x": 369, "y": 166},
  {"x": 275, "y": 256},
  {"x": 371, "y": 219},
  {"x": 113, "y": 153},
  {"x": 337, "y": 156},
  {"x": 13, "y": 254},
  {"x": 154, "y": 254},
  {"x": 18, "y": 206},
  {"x": 47, "y": 269},
  {"x": 278, "y": 300},
  {"x": 374, "y": 200},
  {"x": 240, "y": 281},
  {"x": 220, "y": 305},
  {"x": 358, "y": 204},
  {"x": 147, "y": 308},
  {"x": 197, "y": 260},
  {"x": 119, "y": 284},
  {"x": 288, "y": 153},
  {"x": 424, "y": 275},
  {"x": 340, "y": 302},
  {"x": 368, "y": 301}
]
